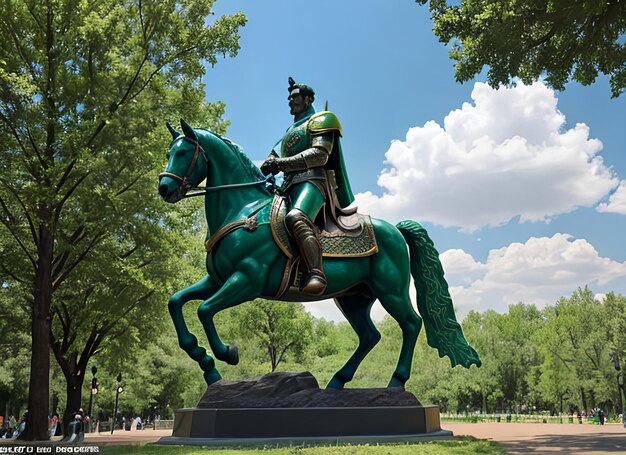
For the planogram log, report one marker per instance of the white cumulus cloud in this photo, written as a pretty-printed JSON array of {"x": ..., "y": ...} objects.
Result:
[
  {"x": 617, "y": 201},
  {"x": 507, "y": 154},
  {"x": 538, "y": 271}
]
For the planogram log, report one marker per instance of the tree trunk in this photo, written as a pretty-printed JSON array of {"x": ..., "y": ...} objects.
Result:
[
  {"x": 484, "y": 403},
  {"x": 273, "y": 357},
  {"x": 39, "y": 390},
  {"x": 584, "y": 399},
  {"x": 74, "y": 398}
]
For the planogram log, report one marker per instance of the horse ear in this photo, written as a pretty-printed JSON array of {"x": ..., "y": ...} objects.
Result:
[
  {"x": 172, "y": 131},
  {"x": 188, "y": 130}
]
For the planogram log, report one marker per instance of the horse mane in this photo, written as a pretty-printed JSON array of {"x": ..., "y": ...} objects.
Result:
[{"x": 246, "y": 162}]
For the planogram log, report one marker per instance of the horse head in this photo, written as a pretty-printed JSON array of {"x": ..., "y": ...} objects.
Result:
[{"x": 186, "y": 164}]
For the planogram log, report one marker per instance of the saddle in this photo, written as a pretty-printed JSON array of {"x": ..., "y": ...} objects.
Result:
[{"x": 343, "y": 236}]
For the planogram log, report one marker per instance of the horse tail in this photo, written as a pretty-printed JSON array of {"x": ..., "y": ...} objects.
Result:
[{"x": 433, "y": 298}]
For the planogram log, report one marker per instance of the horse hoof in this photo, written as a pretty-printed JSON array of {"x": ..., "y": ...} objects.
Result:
[
  {"x": 232, "y": 355},
  {"x": 395, "y": 384},
  {"x": 335, "y": 384}
]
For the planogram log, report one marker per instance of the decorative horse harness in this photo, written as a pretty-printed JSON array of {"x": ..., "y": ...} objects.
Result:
[{"x": 352, "y": 236}]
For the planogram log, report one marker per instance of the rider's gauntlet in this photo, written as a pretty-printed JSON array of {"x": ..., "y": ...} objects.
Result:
[{"x": 313, "y": 157}]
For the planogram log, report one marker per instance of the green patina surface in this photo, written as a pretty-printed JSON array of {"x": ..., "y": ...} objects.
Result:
[{"x": 247, "y": 264}]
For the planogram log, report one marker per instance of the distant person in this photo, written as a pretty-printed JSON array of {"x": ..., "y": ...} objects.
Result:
[
  {"x": 601, "y": 416},
  {"x": 54, "y": 424},
  {"x": 21, "y": 426},
  {"x": 136, "y": 425}
]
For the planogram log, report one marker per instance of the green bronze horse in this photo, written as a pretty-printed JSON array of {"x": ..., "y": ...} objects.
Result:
[{"x": 245, "y": 263}]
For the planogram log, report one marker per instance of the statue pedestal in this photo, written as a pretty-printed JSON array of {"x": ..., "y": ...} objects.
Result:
[
  {"x": 289, "y": 408},
  {"x": 305, "y": 425}
]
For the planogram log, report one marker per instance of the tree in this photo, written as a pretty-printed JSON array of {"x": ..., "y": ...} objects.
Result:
[
  {"x": 84, "y": 89},
  {"x": 562, "y": 38},
  {"x": 280, "y": 328},
  {"x": 575, "y": 336},
  {"x": 14, "y": 351},
  {"x": 156, "y": 378},
  {"x": 504, "y": 342},
  {"x": 14, "y": 335},
  {"x": 118, "y": 298},
  {"x": 615, "y": 310}
]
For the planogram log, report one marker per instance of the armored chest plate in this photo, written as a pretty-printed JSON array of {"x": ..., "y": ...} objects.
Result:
[{"x": 296, "y": 140}]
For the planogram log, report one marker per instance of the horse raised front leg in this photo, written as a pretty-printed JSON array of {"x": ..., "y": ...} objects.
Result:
[
  {"x": 237, "y": 289},
  {"x": 201, "y": 290},
  {"x": 356, "y": 309}
]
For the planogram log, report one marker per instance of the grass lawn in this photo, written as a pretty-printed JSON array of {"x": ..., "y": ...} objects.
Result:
[{"x": 464, "y": 445}]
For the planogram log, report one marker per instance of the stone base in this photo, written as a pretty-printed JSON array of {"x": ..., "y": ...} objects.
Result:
[
  {"x": 319, "y": 425},
  {"x": 290, "y": 408}
]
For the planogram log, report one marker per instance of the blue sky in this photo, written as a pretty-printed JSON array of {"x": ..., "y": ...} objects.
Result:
[{"x": 520, "y": 188}]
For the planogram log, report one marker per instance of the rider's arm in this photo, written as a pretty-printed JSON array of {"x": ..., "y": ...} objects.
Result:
[{"x": 315, "y": 156}]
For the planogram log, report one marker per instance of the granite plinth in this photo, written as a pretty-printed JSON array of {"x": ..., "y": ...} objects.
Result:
[{"x": 291, "y": 407}]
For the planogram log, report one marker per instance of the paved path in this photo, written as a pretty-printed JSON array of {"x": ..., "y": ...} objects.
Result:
[
  {"x": 518, "y": 438},
  {"x": 121, "y": 437},
  {"x": 548, "y": 438}
]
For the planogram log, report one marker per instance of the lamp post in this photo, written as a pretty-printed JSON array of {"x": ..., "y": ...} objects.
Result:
[
  {"x": 117, "y": 396},
  {"x": 94, "y": 391}
]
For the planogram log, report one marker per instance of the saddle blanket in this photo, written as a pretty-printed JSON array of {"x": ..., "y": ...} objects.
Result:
[{"x": 335, "y": 243}]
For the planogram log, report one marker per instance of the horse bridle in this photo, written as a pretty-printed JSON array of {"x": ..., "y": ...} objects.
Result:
[
  {"x": 185, "y": 178},
  {"x": 185, "y": 186}
]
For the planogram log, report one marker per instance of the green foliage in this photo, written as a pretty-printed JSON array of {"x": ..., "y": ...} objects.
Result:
[
  {"x": 529, "y": 360},
  {"x": 156, "y": 379},
  {"x": 559, "y": 38},
  {"x": 85, "y": 88},
  {"x": 615, "y": 311},
  {"x": 280, "y": 329},
  {"x": 14, "y": 351},
  {"x": 576, "y": 370}
]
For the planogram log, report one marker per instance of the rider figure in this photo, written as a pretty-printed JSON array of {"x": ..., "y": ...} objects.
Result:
[{"x": 309, "y": 149}]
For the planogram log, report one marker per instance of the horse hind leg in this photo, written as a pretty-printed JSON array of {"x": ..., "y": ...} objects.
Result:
[
  {"x": 399, "y": 307},
  {"x": 186, "y": 340},
  {"x": 389, "y": 281},
  {"x": 356, "y": 309}
]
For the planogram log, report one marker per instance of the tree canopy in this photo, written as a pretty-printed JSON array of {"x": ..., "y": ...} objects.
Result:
[
  {"x": 85, "y": 88},
  {"x": 280, "y": 328},
  {"x": 563, "y": 39}
]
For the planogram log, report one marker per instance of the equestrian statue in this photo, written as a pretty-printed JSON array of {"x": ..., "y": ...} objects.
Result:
[{"x": 302, "y": 241}]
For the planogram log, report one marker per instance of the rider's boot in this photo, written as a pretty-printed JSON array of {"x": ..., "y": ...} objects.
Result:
[{"x": 305, "y": 234}]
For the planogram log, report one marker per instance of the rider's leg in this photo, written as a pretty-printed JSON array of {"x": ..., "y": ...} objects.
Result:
[{"x": 306, "y": 202}]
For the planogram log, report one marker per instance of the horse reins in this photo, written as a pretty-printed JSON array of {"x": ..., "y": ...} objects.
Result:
[{"x": 201, "y": 190}]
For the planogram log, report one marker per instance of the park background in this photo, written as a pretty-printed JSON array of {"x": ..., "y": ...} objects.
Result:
[{"x": 521, "y": 189}]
